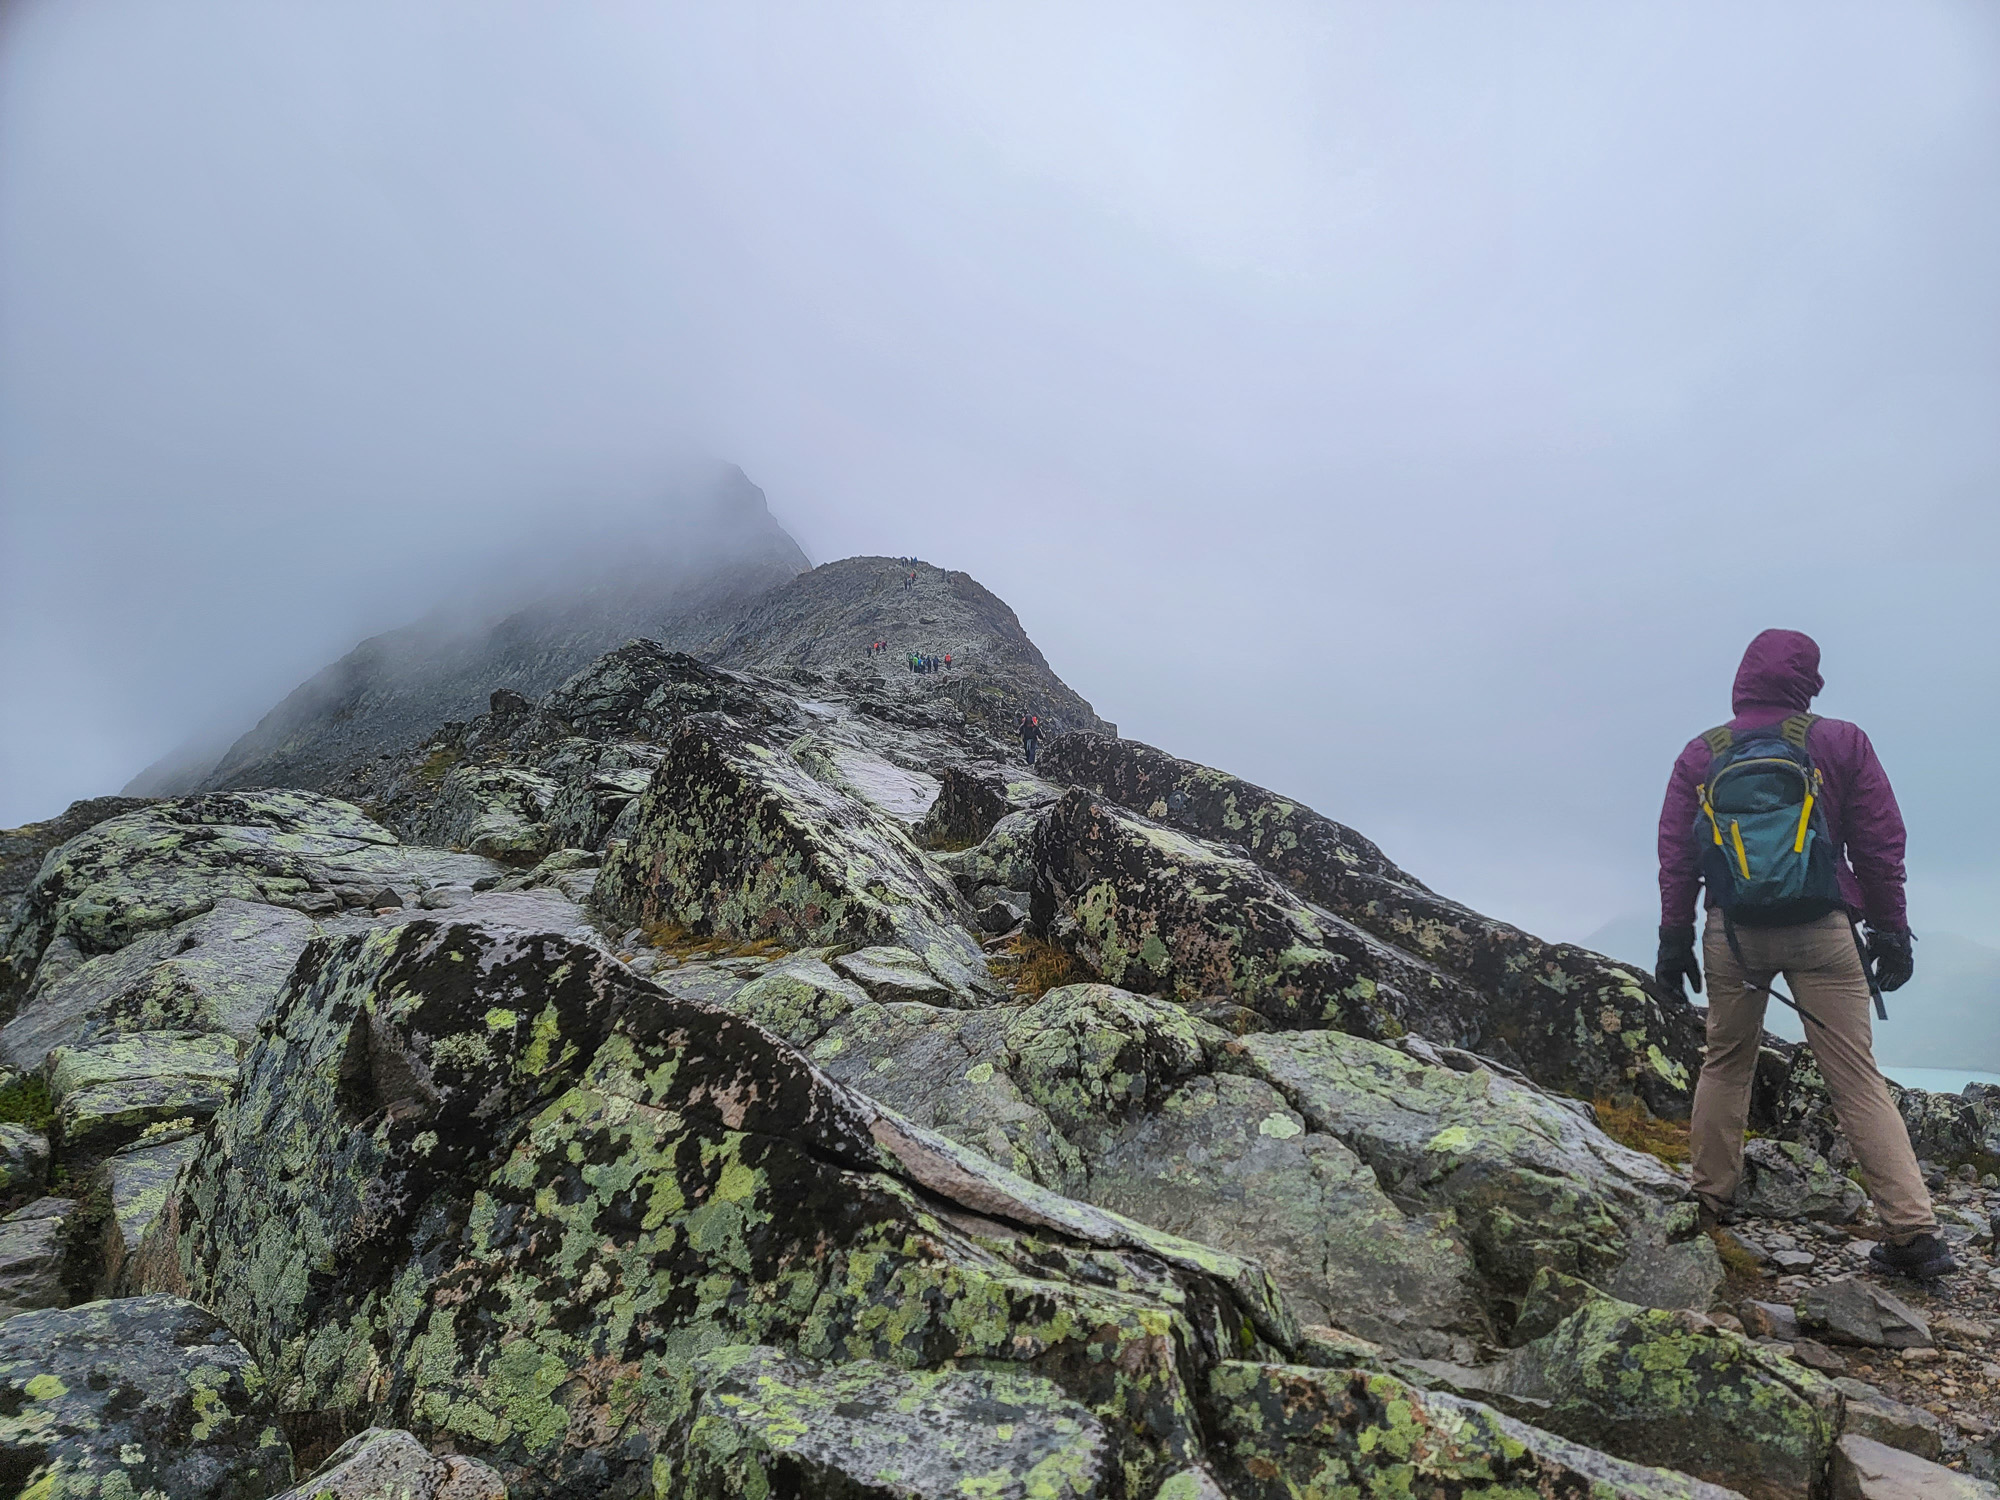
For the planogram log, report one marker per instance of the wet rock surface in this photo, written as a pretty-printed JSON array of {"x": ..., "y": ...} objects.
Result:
[{"x": 806, "y": 1097}]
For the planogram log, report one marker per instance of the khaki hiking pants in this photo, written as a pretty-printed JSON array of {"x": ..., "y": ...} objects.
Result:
[{"x": 1823, "y": 972}]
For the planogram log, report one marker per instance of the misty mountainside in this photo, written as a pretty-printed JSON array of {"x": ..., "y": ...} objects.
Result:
[
  {"x": 1948, "y": 1016},
  {"x": 665, "y": 581},
  {"x": 735, "y": 1071}
]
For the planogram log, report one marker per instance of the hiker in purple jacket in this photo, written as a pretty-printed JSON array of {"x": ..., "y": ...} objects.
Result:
[{"x": 1822, "y": 960}]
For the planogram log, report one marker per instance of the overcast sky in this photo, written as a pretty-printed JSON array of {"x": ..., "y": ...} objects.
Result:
[{"x": 1413, "y": 407}]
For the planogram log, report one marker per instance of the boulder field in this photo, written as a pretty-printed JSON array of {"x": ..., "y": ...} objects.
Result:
[{"x": 740, "y": 1076}]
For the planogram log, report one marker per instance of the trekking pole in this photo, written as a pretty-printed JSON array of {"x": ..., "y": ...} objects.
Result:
[
  {"x": 1874, "y": 989},
  {"x": 1729, "y": 932}
]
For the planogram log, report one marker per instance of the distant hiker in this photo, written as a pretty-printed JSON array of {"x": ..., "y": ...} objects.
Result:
[
  {"x": 947, "y": 661},
  {"x": 1789, "y": 822},
  {"x": 1031, "y": 736}
]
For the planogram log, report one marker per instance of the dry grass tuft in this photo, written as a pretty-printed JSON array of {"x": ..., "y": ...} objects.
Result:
[
  {"x": 684, "y": 944},
  {"x": 1627, "y": 1121},
  {"x": 1032, "y": 967}
]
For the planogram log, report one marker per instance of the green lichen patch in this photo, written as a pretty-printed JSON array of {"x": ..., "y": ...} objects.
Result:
[
  {"x": 1529, "y": 1178},
  {"x": 1669, "y": 1387},
  {"x": 735, "y": 839},
  {"x": 144, "y": 1396},
  {"x": 1157, "y": 911},
  {"x": 766, "y": 1424},
  {"x": 1570, "y": 1019},
  {"x": 1288, "y": 1432}
]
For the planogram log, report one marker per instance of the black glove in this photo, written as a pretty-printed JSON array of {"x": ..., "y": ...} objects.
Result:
[
  {"x": 1677, "y": 961},
  {"x": 1890, "y": 956}
]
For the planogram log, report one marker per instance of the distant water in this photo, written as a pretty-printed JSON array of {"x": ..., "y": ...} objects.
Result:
[{"x": 1937, "y": 1080}]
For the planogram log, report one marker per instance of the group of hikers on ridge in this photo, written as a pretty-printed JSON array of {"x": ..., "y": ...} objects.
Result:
[
  {"x": 1787, "y": 822},
  {"x": 919, "y": 661}
]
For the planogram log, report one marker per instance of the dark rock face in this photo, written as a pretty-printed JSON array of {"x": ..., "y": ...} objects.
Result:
[
  {"x": 34, "y": 1247},
  {"x": 144, "y": 1396},
  {"x": 1566, "y": 1017},
  {"x": 967, "y": 807},
  {"x": 1155, "y": 911},
  {"x": 821, "y": 620}
]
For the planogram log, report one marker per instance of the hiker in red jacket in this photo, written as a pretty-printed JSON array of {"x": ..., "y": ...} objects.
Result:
[{"x": 1824, "y": 962}]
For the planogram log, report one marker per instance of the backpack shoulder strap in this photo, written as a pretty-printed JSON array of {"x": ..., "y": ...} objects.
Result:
[
  {"x": 1718, "y": 739},
  {"x": 1795, "y": 729}
]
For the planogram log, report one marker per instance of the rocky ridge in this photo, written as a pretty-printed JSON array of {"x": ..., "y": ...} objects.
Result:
[{"x": 737, "y": 1074}]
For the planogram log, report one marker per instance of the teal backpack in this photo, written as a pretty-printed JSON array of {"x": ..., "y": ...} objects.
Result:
[{"x": 1767, "y": 857}]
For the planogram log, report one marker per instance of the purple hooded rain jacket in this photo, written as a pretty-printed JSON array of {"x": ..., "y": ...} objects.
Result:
[{"x": 1779, "y": 675}]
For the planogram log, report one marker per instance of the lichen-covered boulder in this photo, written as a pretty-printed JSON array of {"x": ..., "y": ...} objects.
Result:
[
  {"x": 1224, "y": 1160},
  {"x": 219, "y": 971},
  {"x": 1570, "y": 1019},
  {"x": 389, "y": 1464},
  {"x": 1786, "y": 1180},
  {"x": 764, "y": 1423},
  {"x": 735, "y": 838},
  {"x": 488, "y": 1185},
  {"x": 161, "y": 864},
  {"x": 1003, "y": 860},
  {"x": 642, "y": 690},
  {"x": 1671, "y": 1388},
  {"x": 22, "y": 851},
  {"x": 108, "y": 1093},
  {"x": 143, "y": 1396},
  {"x": 946, "y": 1069},
  {"x": 1159, "y": 911},
  {"x": 398, "y": 1067},
  {"x": 1290, "y": 1432},
  {"x": 1530, "y": 1179},
  {"x": 34, "y": 1256}
]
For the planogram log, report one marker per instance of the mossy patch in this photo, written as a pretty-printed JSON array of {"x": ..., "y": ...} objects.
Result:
[
  {"x": 26, "y": 1101},
  {"x": 1628, "y": 1122},
  {"x": 1032, "y": 967}
]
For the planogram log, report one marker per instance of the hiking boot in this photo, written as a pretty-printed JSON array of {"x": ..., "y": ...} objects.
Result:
[{"x": 1924, "y": 1258}]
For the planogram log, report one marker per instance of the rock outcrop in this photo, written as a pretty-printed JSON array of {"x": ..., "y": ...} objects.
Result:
[
  {"x": 1564, "y": 1016},
  {"x": 742, "y": 1076}
]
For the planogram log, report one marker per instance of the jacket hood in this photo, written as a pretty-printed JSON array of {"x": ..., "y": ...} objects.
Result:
[{"x": 1780, "y": 670}]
